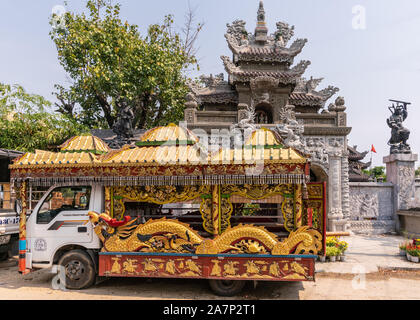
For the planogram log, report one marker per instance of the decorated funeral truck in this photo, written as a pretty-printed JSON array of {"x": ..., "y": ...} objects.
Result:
[{"x": 164, "y": 207}]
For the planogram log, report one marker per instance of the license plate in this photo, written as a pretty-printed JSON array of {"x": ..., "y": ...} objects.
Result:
[
  {"x": 4, "y": 239},
  {"x": 9, "y": 221}
]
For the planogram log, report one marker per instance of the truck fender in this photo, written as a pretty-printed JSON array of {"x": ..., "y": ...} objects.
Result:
[{"x": 69, "y": 247}]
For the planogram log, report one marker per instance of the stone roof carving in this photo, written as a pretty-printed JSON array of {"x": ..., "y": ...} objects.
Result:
[
  {"x": 258, "y": 56},
  {"x": 356, "y": 166},
  {"x": 285, "y": 77},
  {"x": 253, "y": 47},
  {"x": 212, "y": 81},
  {"x": 214, "y": 90},
  {"x": 355, "y": 155},
  {"x": 328, "y": 92},
  {"x": 304, "y": 99},
  {"x": 284, "y": 33},
  {"x": 305, "y": 93}
]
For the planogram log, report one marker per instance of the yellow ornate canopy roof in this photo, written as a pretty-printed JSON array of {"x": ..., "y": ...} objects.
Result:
[
  {"x": 53, "y": 159},
  {"x": 170, "y": 133},
  {"x": 263, "y": 137},
  {"x": 262, "y": 145},
  {"x": 85, "y": 143},
  {"x": 172, "y": 153}
]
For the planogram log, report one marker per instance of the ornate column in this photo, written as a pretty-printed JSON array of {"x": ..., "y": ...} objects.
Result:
[
  {"x": 215, "y": 210},
  {"x": 336, "y": 219},
  {"x": 242, "y": 111},
  {"x": 345, "y": 186},
  {"x": 335, "y": 212},
  {"x": 22, "y": 228},
  {"x": 298, "y": 205},
  {"x": 108, "y": 202},
  {"x": 190, "y": 112}
]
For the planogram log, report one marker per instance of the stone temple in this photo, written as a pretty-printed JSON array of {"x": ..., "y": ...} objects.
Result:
[{"x": 263, "y": 76}]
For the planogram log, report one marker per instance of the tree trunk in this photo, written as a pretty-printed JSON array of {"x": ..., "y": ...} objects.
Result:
[{"x": 106, "y": 109}]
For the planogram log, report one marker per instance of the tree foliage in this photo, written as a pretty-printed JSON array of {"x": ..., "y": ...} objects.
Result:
[
  {"x": 376, "y": 172},
  {"x": 110, "y": 63},
  {"x": 26, "y": 125}
]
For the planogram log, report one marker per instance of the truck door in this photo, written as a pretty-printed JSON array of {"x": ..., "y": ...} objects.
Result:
[{"x": 62, "y": 219}]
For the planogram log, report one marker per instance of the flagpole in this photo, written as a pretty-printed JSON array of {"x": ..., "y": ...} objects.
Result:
[{"x": 371, "y": 157}]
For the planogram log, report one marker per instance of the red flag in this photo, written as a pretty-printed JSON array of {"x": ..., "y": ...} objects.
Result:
[{"x": 373, "y": 149}]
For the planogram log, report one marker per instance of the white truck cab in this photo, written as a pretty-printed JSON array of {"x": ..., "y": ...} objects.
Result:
[{"x": 59, "y": 226}]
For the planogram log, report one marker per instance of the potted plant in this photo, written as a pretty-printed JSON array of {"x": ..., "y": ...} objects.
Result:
[
  {"x": 322, "y": 258},
  {"x": 413, "y": 252},
  {"x": 415, "y": 256},
  {"x": 342, "y": 246},
  {"x": 410, "y": 253},
  {"x": 332, "y": 253},
  {"x": 403, "y": 247}
]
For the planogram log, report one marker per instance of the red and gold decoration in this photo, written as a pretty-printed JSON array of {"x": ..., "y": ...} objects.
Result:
[
  {"x": 169, "y": 235},
  {"x": 169, "y": 166},
  {"x": 208, "y": 267},
  {"x": 22, "y": 227},
  {"x": 316, "y": 216}
]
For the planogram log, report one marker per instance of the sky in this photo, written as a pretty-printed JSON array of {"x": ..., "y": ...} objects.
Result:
[{"x": 370, "y": 49}]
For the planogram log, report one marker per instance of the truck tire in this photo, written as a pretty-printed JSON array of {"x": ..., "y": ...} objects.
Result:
[
  {"x": 79, "y": 269},
  {"x": 226, "y": 288}
]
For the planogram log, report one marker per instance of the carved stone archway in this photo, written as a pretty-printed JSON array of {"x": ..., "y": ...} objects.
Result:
[
  {"x": 318, "y": 174},
  {"x": 263, "y": 113}
]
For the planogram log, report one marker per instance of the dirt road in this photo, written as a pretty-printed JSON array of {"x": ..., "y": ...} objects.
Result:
[{"x": 382, "y": 285}]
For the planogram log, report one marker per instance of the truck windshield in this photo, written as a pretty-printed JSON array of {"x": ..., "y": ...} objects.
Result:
[{"x": 63, "y": 199}]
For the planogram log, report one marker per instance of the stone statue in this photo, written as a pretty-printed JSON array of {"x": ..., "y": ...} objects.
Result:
[
  {"x": 290, "y": 130},
  {"x": 123, "y": 127},
  {"x": 399, "y": 134}
]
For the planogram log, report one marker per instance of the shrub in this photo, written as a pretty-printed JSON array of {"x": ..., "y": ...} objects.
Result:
[
  {"x": 332, "y": 251},
  {"x": 333, "y": 242},
  {"x": 342, "y": 246},
  {"x": 413, "y": 250}
]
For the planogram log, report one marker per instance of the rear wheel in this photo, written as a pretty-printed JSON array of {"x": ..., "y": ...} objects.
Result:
[
  {"x": 227, "y": 288},
  {"x": 79, "y": 269}
]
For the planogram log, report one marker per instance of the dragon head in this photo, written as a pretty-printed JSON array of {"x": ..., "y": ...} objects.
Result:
[{"x": 101, "y": 225}]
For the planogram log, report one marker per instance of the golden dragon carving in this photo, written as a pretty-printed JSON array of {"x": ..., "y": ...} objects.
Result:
[
  {"x": 167, "y": 235},
  {"x": 153, "y": 236}
]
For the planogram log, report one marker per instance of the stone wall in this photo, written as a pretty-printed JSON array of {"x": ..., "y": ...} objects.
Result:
[{"x": 372, "y": 208}]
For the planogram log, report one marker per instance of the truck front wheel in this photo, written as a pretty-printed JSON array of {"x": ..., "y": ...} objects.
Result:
[
  {"x": 227, "y": 288},
  {"x": 79, "y": 269}
]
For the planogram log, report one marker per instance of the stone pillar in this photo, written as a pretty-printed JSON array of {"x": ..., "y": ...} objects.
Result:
[
  {"x": 334, "y": 190},
  {"x": 400, "y": 171},
  {"x": 345, "y": 187},
  {"x": 242, "y": 111},
  {"x": 190, "y": 112},
  {"x": 336, "y": 221}
]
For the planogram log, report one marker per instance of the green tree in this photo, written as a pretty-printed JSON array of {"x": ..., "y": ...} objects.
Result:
[
  {"x": 418, "y": 171},
  {"x": 26, "y": 125},
  {"x": 376, "y": 172},
  {"x": 110, "y": 64}
]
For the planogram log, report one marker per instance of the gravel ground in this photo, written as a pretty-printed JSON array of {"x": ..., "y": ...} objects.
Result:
[{"x": 384, "y": 284}]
